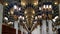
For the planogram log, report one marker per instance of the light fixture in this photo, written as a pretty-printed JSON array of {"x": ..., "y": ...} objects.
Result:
[
  {"x": 23, "y": 3},
  {"x": 26, "y": 16},
  {"x": 36, "y": 18},
  {"x": 35, "y": 3},
  {"x": 5, "y": 18},
  {"x": 56, "y": 17},
  {"x": 19, "y": 8},
  {"x": 33, "y": 12},
  {"x": 40, "y": 8},
  {"x": 25, "y": 12},
  {"x": 50, "y": 6},
  {"x": 6, "y": 3},
  {"x": 15, "y": 7},
  {"x": 54, "y": 20},
  {"x": 8, "y": 12},
  {"x": 44, "y": 6},
  {"x": 12, "y": 12},
  {"x": 56, "y": 3},
  {"x": 23, "y": 18},
  {"x": 39, "y": 16},
  {"x": 20, "y": 17},
  {"x": 47, "y": 6},
  {"x": 10, "y": 23}
]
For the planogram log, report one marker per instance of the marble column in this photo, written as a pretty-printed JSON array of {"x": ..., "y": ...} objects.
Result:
[
  {"x": 36, "y": 30},
  {"x": 21, "y": 29},
  {"x": 16, "y": 26},
  {"x": 44, "y": 27},
  {"x": 50, "y": 27},
  {"x": 1, "y": 16},
  {"x": 25, "y": 31}
]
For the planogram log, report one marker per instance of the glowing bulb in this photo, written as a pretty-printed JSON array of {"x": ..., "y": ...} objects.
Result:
[
  {"x": 26, "y": 16},
  {"x": 54, "y": 20},
  {"x": 40, "y": 8},
  {"x": 20, "y": 17},
  {"x": 33, "y": 12},
  {"x": 35, "y": 17},
  {"x": 56, "y": 3},
  {"x": 6, "y": 4},
  {"x": 15, "y": 7},
  {"x": 35, "y": 3},
  {"x": 44, "y": 6},
  {"x": 12, "y": 12},
  {"x": 50, "y": 6},
  {"x": 5, "y": 18},
  {"x": 25, "y": 12},
  {"x": 56, "y": 17},
  {"x": 23, "y": 3},
  {"x": 19, "y": 8},
  {"x": 23, "y": 18},
  {"x": 39, "y": 16}
]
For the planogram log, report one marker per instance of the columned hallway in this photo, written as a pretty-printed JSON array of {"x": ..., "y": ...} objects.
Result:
[{"x": 29, "y": 16}]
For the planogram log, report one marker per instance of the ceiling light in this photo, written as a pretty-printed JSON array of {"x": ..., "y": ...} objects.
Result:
[
  {"x": 20, "y": 9},
  {"x": 44, "y": 6},
  {"x": 54, "y": 20},
  {"x": 33, "y": 12},
  {"x": 23, "y": 3},
  {"x": 56, "y": 3},
  {"x": 36, "y": 18},
  {"x": 6, "y": 4},
  {"x": 56, "y": 17},
  {"x": 15, "y": 7},
  {"x": 35, "y": 3},
  {"x": 5, "y": 18},
  {"x": 39, "y": 16},
  {"x": 12, "y": 12},
  {"x": 8, "y": 12},
  {"x": 20, "y": 17},
  {"x": 23, "y": 18},
  {"x": 25, "y": 12},
  {"x": 40, "y": 8},
  {"x": 26, "y": 16},
  {"x": 50, "y": 6}
]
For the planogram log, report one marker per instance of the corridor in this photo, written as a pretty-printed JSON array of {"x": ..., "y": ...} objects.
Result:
[{"x": 30, "y": 16}]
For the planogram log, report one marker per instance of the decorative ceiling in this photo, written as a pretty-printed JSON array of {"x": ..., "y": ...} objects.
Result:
[{"x": 30, "y": 12}]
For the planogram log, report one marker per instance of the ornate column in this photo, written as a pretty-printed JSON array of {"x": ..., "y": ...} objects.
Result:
[
  {"x": 21, "y": 28},
  {"x": 36, "y": 30},
  {"x": 16, "y": 26},
  {"x": 1, "y": 16},
  {"x": 44, "y": 27},
  {"x": 50, "y": 27}
]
